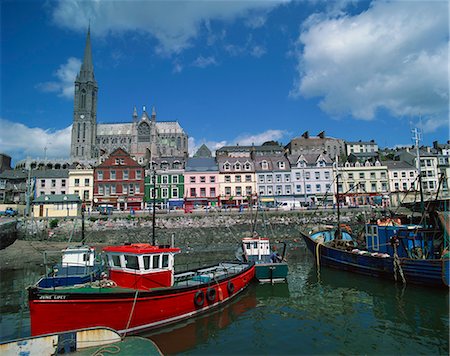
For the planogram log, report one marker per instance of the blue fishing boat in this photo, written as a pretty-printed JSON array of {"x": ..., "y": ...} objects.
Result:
[
  {"x": 408, "y": 253},
  {"x": 79, "y": 265}
]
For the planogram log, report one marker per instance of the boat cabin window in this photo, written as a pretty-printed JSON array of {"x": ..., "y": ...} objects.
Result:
[
  {"x": 165, "y": 261},
  {"x": 255, "y": 244},
  {"x": 131, "y": 262},
  {"x": 247, "y": 245},
  {"x": 146, "y": 262},
  {"x": 155, "y": 264},
  {"x": 115, "y": 260}
]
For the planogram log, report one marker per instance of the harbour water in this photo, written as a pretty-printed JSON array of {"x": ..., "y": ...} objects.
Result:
[{"x": 330, "y": 312}]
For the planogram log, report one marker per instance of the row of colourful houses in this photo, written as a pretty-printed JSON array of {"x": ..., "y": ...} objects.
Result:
[{"x": 238, "y": 176}]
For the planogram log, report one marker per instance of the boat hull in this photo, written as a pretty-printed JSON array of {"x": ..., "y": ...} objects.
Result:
[
  {"x": 426, "y": 272},
  {"x": 128, "y": 311},
  {"x": 271, "y": 272}
]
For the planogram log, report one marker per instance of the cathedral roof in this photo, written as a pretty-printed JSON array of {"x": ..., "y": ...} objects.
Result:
[
  {"x": 168, "y": 127},
  {"x": 114, "y": 129}
]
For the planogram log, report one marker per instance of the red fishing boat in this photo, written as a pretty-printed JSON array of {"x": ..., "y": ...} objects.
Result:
[{"x": 141, "y": 291}]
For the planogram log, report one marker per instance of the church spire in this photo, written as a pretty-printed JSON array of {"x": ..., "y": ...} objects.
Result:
[{"x": 87, "y": 68}]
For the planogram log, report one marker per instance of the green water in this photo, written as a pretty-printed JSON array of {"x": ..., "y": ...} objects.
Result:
[{"x": 340, "y": 313}]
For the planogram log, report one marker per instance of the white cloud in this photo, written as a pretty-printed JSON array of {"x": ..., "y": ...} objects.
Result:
[
  {"x": 20, "y": 141},
  {"x": 392, "y": 56},
  {"x": 203, "y": 62},
  {"x": 173, "y": 23},
  {"x": 66, "y": 74},
  {"x": 432, "y": 124},
  {"x": 243, "y": 140}
]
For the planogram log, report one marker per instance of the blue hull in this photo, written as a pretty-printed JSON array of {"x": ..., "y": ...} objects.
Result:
[{"x": 433, "y": 272}]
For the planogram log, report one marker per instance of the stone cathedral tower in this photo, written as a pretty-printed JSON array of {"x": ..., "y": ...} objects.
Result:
[{"x": 85, "y": 108}]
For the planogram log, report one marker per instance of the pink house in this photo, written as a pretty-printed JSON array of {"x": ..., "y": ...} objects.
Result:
[{"x": 201, "y": 182}]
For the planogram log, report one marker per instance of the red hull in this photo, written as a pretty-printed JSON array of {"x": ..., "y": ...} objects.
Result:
[{"x": 52, "y": 311}]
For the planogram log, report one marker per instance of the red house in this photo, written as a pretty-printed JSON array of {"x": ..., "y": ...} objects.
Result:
[{"x": 119, "y": 181}]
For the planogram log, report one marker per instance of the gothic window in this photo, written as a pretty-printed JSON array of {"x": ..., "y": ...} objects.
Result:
[
  {"x": 179, "y": 143},
  {"x": 83, "y": 99},
  {"x": 84, "y": 130},
  {"x": 93, "y": 101},
  {"x": 78, "y": 130}
]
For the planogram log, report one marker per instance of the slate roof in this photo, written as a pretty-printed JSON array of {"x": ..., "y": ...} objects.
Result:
[
  {"x": 57, "y": 198},
  {"x": 201, "y": 164},
  {"x": 394, "y": 165}
]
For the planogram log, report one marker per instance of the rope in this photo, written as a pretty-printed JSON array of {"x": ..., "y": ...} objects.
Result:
[
  {"x": 110, "y": 349},
  {"x": 318, "y": 260},
  {"x": 131, "y": 312},
  {"x": 397, "y": 266}
]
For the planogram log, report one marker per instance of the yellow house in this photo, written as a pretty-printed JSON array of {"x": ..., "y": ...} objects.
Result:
[
  {"x": 81, "y": 183},
  {"x": 56, "y": 206}
]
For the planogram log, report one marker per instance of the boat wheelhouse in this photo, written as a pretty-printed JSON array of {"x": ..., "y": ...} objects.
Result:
[
  {"x": 257, "y": 250},
  {"x": 142, "y": 291}
]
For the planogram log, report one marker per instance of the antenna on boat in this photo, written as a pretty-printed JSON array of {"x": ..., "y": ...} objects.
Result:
[
  {"x": 153, "y": 204},
  {"x": 338, "y": 203}
]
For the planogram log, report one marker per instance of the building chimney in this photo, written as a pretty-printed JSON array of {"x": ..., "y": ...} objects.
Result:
[
  {"x": 321, "y": 134},
  {"x": 305, "y": 134}
]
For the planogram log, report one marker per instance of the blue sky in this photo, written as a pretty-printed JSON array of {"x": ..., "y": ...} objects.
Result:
[{"x": 229, "y": 72}]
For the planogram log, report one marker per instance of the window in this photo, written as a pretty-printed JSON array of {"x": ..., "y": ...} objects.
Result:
[
  {"x": 131, "y": 262},
  {"x": 212, "y": 179},
  {"x": 131, "y": 189},
  {"x": 383, "y": 175},
  {"x": 226, "y": 166},
  {"x": 78, "y": 192},
  {"x": 174, "y": 179},
  {"x": 361, "y": 175},
  {"x": 63, "y": 182},
  {"x": 327, "y": 175},
  {"x": 100, "y": 189},
  {"x": 164, "y": 193},
  {"x": 264, "y": 165},
  {"x": 261, "y": 179},
  {"x": 77, "y": 182},
  {"x": 405, "y": 186},
  {"x": 124, "y": 188},
  {"x": 278, "y": 178},
  {"x": 318, "y": 188},
  {"x": 138, "y": 174},
  {"x": 262, "y": 190},
  {"x": 238, "y": 191},
  {"x": 269, "y": 178},
  {"x": 64, "y": 192},
  {"x": 269, "y": 190},
  {"x": 350, "y": 176},
  {"x": 193, "y": 192},
  {"x": 113, "y": 189},
  {"x": 146, "y": 262},
  {"x": 297, "y": 176},
  {"x": 115, "y": 261},
  {"x": 227, "y": 179},
  {"x": 155, "y": 260},
  {"x": 247, "y": 166},
  {"x": 238, "y": 179},
  {"x": 203, "y": 192},
  {"x": 174, "y": 192},
  {"x": 307, "y": 175},
  {"x": 298, "y": 188},
  {"x": 281, "y": 165},
  {"x": 86, "y": 182},
  {"x": 191, "y": 179},
  {"x": 403, "y": 174},
  {"x": 52, "y": 192},
  {"x": 117, "y": 161},
  {"x": 237, "y": 166},
  {"x": 212, "y": 192},
  {"x": 248, "y": 178},
  {"x": 384, "y": 186},
  {"x": 100, "y": 175},
  {"x": 308, "y": 188},
  {"x": 248, "y": 190},
  {"x": 279, "y": 190},
  {"x": 288, "y": 189},
  {"x": 395, "y": 174},
  {"x": 287, "y": 178},
  {"x": 165, "y": 180},
  {"x": 165, "y": 261},
  {"x": 202, "y": 179},
  {"x": 107, "y": 188},
  {"x": 113, "y": 175},
  {"x": 317, "y": 175},
  {"x": 373, "y": 187},
  {"x": 137, "y": 188},
  {"x": 328, "y": 187},
  {"x": 85, "y": 194},
  {"x": 125, "y": 174},
  {"x": 227, "y": 190},
  {"x": 372, "y": 175}
]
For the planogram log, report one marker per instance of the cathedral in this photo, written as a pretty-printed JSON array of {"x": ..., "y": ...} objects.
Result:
[{"x": 144, "y": 138}]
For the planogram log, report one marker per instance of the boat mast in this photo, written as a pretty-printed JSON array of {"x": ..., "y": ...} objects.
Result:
[
  {"x": 338, "y": 230},
  {"x": 416, "y": 138},
  {"x": 82, "y": 224},
  {"x": 154, "y": 206}
]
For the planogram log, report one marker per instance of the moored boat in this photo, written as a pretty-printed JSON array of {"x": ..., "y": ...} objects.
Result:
[
  {"x": 92, "y": 341},
  {"x": 270, "y": 267},
  {"x": 142, "y": 292},
  {"x": 408, "y": 253}
]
